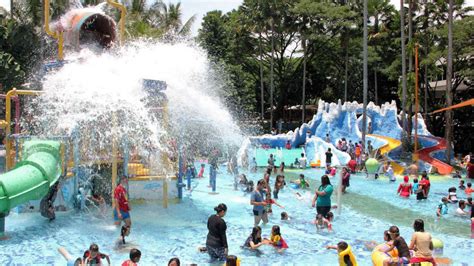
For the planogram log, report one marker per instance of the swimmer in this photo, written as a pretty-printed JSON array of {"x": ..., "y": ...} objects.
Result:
[
  {"x": 460, "y": 210},
  {"x": 442, "y": 207},
  {"x": 301, "y": 182},
  {"x": 452, "y": 196},
  {"x": 276, "y": 240},
  {"x": 401, "y": 245},
  {"x": 135, "y": 256},
  {"x": 469, "y": 189},
  {"x": 174, "y": 262},
  {"x": 322, "y": 222},
  {"x": 461, "y": 185},
  {"x": 269, "y": 202},
  {"x": 346, "y": 257},
  {"x": 92, "y": 256},
  {"x": 279, "y": 184},
  {"x": 405, "y": 188},
  {"x": 99, "y": 201},
  {"x": 120, "y": 244},
  {"x": 284, "y": 216},
  {"x": 254, "y": 241},
  {"x": 201, "y": 171}
]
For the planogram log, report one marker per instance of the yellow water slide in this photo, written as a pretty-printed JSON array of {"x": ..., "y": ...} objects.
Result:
[{"x": 385, "y": 149}]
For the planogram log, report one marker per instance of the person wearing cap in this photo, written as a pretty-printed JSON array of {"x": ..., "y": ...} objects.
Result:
[
  {"x": 122, "y": 207},
  {"x": 405, "y": 188}
]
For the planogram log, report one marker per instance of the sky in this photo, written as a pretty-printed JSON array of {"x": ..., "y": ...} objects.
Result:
[{"x": 201, "y": 7}]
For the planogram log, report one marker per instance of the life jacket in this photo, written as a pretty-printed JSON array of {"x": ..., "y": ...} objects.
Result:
[{"x": 347, "y": 251}]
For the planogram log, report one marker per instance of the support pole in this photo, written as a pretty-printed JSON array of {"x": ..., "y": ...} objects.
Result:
[
  {"x": 2, "y": 225},
  {"x": 126, "y": 157},
  {"x": 365, "y": 83},
  {"x": 165, "y": 192},
  {"x": 188, "y": 177},
  {"x": 76, "y": 159},
  {"x": 114, "y": 157},
  {"x": 416, "y": 104},
  {"x": 180, "y": 184}
]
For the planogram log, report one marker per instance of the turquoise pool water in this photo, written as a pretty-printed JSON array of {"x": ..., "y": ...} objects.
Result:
[{"x": 369, "y": 207}]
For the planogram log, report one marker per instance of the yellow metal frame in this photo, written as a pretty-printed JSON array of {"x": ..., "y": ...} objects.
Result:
[
  {"x": 123, "y": 13},
  {"x": 56, "y": 35},
  {"x": 8, "y": 118}
]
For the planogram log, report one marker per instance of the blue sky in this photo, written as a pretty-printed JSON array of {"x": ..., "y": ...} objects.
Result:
[{"x": 201, "y": 7}]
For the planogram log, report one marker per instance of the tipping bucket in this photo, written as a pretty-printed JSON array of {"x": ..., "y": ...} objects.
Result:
[{"x": 86, "y": 27}]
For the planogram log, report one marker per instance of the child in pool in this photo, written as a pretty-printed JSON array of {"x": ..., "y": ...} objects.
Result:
[
  {"x": 389, "y": 172},
  {"x": 346, "y": 257},
  {"x": 284, "y": 216},
  {"x": 134, "y": 256},
  {"x": 277, "y": 240},
  {"x": 322, "y": 222},
  {"x": 269, "y": 202},
  {"x": 461, "y": 185},
  {"x": 301, "y": 182},
  {"x": 468, "y": 189},
  {"x": 201, "y": 171},
  {"x": 401, "y": 245},
  {"x": 452, "y": 196},
  {"x": 120, "y": 243},
  {"x": 442, "y": 207},
  {"x": 460, "y": 210}
]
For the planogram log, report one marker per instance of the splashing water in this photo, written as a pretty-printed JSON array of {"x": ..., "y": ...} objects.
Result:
[{"x": 101, "y": 97}]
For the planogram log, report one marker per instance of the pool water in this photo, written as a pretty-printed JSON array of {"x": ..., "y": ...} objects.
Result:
[{"x": 369, "y": 208}]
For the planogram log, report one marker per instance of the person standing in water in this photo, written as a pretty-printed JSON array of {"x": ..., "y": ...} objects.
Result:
[
  {"x": 257, "y": 200},
  {"x": 216, "y": 242},
  {"x": 213, "y": 169},
  {"x": 421, "y": 243},
  {"x": 328, "y": 157},
  {"x": 322, "y": 197},
  {"x": 47, "y": 203},
  {"x": 122, "y": 208}
]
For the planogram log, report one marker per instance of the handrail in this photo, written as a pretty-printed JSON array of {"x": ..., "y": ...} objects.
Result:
[
  {"x": 123, "y": 12},
  {"x": 56, "y": 35},
  {"x": 8, "y": 117}
]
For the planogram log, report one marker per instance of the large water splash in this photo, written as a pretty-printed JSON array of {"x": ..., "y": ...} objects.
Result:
[{"x": 101, "y": 97}]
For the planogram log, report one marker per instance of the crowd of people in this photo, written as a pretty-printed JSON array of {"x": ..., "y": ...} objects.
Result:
[{"x": 263, "y": 196}]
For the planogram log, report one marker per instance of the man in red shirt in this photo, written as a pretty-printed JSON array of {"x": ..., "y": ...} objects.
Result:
[{"x": 122, "y": 208}]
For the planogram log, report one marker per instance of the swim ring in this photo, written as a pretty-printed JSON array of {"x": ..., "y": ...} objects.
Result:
[{"x": 379, "y": 254}]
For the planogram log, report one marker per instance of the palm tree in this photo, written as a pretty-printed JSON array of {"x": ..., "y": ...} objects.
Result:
[
  {"x": 169, "y": 18},
  {"x": 449, "y": 93}
]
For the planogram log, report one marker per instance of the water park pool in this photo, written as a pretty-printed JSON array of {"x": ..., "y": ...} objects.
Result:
[{"x": 369, "y": 208}]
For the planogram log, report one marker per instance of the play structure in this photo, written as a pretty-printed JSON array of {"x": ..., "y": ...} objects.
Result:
[
  {"x": 32, "y": 164},
  {"x": 335, "y": 121}
]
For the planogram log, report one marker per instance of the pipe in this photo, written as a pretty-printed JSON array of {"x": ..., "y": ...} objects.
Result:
[
  {"x": 10, "y": 94},
  {"x": 114, "y": 159},
  {"x": 76, "y": 159},
  {"x": 17, "y": 112},
  {"x": 55, "y": 35},
  {"x": 123, "y": 12}
]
